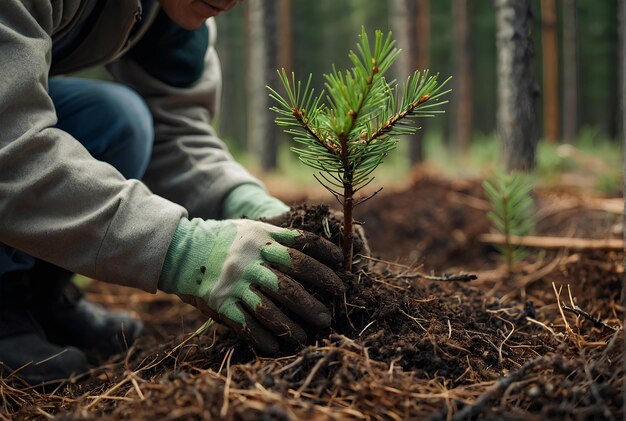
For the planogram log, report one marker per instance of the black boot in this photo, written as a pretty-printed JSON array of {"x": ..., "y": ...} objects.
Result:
[
  {"x": 67, "y": 318},
  {"x": 24, "y": 350}
]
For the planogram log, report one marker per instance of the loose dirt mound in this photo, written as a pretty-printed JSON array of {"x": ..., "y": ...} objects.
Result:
[
  {"x": 436, "y": 223},
  {"x": 405, "y": 345}
]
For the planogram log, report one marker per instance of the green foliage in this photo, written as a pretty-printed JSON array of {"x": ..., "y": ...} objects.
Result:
[
  {"x": 346, "y": 133},
  {"x": 609, "y": 184},
  {"x": 349, "y": 135},
  {"x": 599, "y": 68},
  {"x": 551, "y": 162},
  {"x": 322, "y": 32},
  {"x": 512, "y": 211},
  {"x": 596, "y": 164}
]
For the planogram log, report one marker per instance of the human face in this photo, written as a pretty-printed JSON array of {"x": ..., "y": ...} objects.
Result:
[{"x": 190, "y": 14}]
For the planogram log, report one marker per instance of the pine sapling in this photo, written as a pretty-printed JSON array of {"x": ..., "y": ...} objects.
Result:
[
  {"x": 512, "y": 212},
  {"x": 346, "y": 133}
]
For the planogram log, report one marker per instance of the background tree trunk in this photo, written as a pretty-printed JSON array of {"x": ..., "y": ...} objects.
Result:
[
  {"x": 462, "y": 92},
  {"x": 410, "y": 22},
  {"x": 262, "y": 133},
  {"x": 570, "y": 71},
  {"x": 399, "y": 17},
  {"x": 285, "y": 36},
  {"x": 419, "y": 28},
  {"x": 551, "y": 120},
  {"x": 517, "y": 88}
]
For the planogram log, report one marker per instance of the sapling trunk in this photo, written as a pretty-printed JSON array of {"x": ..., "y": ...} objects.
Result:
[
  {"x": 348, "y": 204},
  {"x": 349, "y": 136},
  {"x": 508, "y": 251}
]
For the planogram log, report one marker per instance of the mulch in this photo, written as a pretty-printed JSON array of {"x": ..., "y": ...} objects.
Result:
[{"x": 413, "y": 338}]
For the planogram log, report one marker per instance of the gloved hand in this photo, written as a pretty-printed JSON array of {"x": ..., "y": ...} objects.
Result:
[
  {"x": 251, "y": 201},
  {"x": 361, "y": 248},
  {"x": 237, "y": 271}
]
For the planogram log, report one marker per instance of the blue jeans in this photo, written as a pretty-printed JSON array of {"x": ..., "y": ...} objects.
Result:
[{"x": 111, "y": 121}]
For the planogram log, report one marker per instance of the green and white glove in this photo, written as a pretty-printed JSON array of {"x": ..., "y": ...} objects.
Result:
[
  {"x": 251, "y": 201},
  {"x": 239, "y": 271}
]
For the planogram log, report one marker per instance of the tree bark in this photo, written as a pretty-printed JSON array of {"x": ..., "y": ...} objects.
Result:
[
  {"x": 419, "y": 30},
  {"x": 399, "y": 21},
  {"x": 570, "y": 71},
  {"x": 262, "y": 133},
  {"x": 517, "y": 86},
  {"x": 550, "y": 71},
  {"x": 462, "y": 92},
  {"x": 410, "y": 21},
  {"x": 285, "y": 36}
]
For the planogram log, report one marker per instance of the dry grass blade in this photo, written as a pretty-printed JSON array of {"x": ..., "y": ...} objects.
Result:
[{"x": 496, "y": 390}]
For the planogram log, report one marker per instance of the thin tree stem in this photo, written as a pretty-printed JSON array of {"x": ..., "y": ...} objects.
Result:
[
  {"x": 348, "y": 202},
  {"x": 348, "y": 175},
  {"x": 507, "y": 236}
]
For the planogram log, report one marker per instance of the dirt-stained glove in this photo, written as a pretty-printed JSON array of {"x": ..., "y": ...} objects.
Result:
[
  {"x": 251, "y": 201},
  {"x": 238, "y": 271},
  {"x": 361, "y": 248}
]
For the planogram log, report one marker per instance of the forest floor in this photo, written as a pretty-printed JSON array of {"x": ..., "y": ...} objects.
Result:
[{"x": 543, "y": 343}]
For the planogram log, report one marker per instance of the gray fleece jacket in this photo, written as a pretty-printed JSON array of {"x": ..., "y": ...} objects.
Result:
[{"x": 60, "y": 204}]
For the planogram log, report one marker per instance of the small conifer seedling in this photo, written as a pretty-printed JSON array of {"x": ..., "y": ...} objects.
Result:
[
  {"x": 511, "y": 214},
  {"x": 346, "y": 133}
]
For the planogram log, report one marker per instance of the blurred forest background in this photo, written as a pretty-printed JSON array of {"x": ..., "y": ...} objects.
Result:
[
  {"x": 570, "y": 66},
  {"x": 576, "y": 80}
]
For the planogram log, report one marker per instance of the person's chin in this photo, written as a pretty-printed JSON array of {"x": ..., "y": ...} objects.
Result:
[{"x": 207, "y": 10}]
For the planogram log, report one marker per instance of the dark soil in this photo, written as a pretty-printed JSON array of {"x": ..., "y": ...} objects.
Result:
[
  {"x": 385, "y": 319},
  {"x": 405, "y": 344},
  {"x": 435, "y": 223}
]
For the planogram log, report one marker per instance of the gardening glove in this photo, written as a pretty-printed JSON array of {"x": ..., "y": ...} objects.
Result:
[
  {"x": 238, "y": 271},
  {"x": 251, "y": 201},
  {"x": 361, "y": 248}
]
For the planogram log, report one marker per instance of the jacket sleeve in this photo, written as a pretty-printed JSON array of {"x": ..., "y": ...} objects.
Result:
[
  {"x": 178, "y": 73},
  {"x": 56, "y": 201}
]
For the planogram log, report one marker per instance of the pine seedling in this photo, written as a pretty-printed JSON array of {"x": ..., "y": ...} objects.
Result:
[
  {"x": 346, "y": 133},
  {"x": 512, "y": 212}
]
